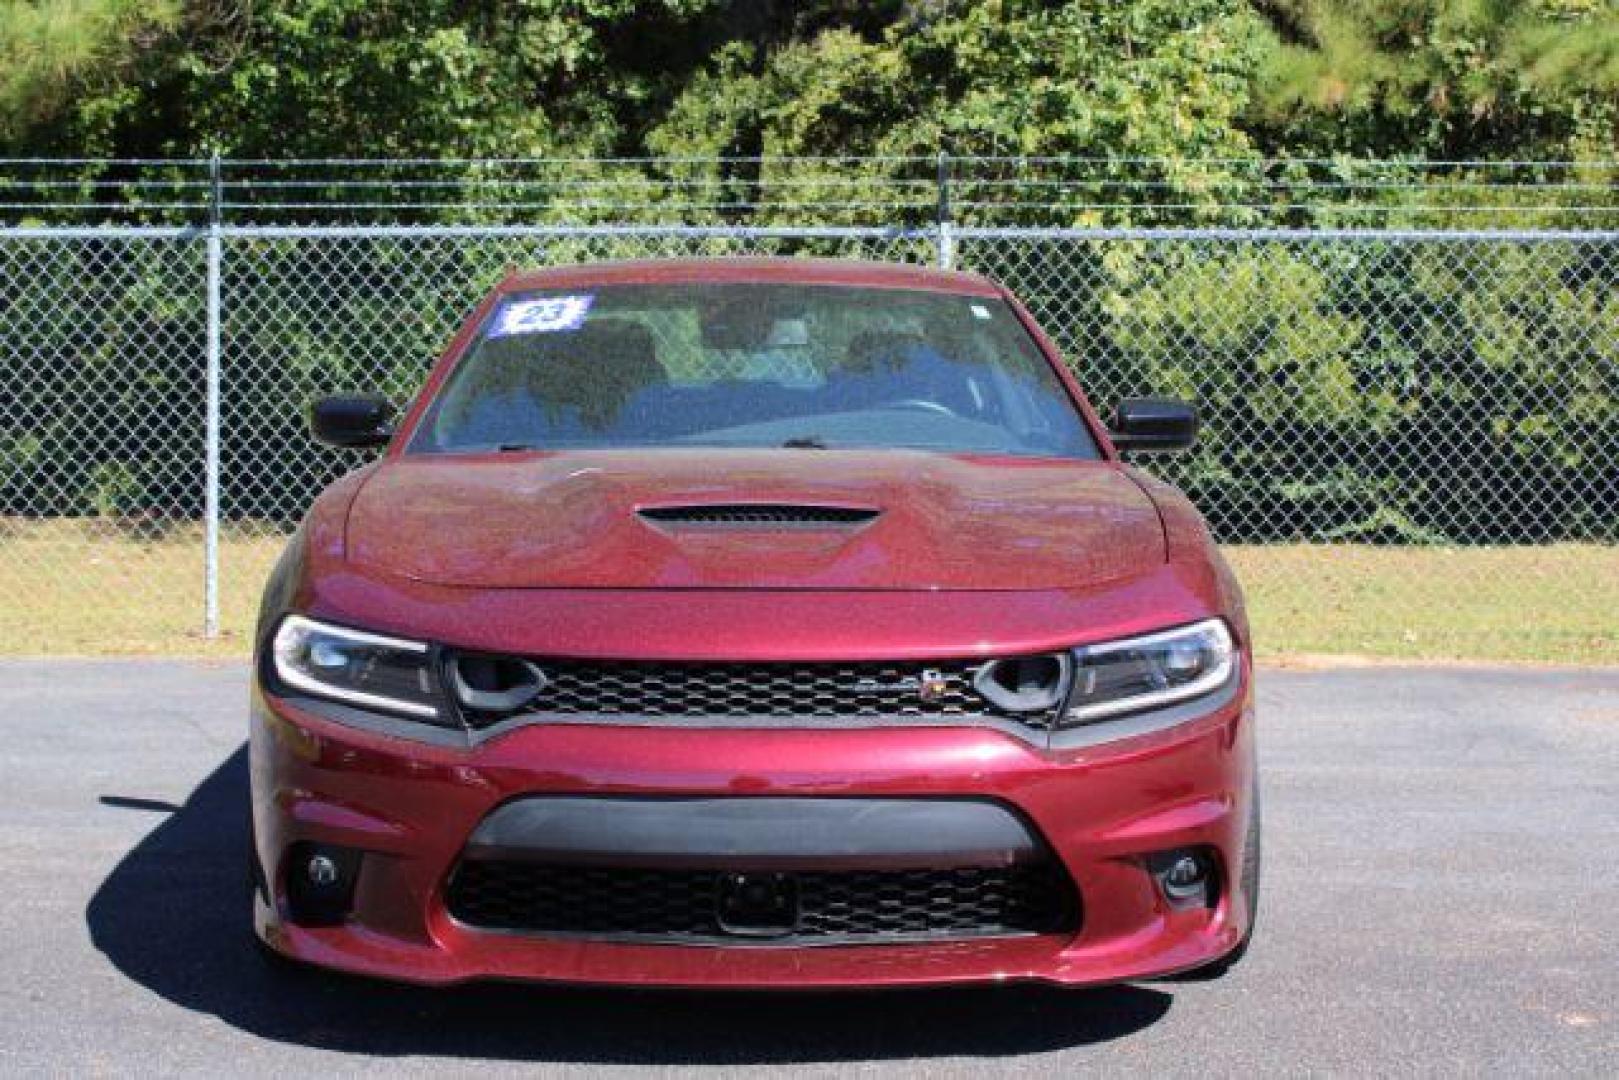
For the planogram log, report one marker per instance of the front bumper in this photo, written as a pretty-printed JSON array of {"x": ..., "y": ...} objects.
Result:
[{"x": 413, "y": 808}]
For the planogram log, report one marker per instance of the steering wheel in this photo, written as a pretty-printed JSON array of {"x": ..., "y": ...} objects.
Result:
[{"x": 920, "y": 403}]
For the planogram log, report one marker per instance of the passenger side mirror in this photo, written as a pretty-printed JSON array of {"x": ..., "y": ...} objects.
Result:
[
  {"x": 1154, "y": 424},
  {"x": 351, "y": 420}
]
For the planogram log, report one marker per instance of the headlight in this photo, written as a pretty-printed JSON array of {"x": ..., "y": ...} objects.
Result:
[
  {"x": 1149, "y": 672},
  {"x": 352, "y": 666}
]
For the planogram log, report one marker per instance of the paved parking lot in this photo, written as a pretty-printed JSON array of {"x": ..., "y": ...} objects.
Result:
[{"x": 1442, "y": 895}]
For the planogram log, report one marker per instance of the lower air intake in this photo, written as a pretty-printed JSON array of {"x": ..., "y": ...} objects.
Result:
[{"x": 831, "y": 906}]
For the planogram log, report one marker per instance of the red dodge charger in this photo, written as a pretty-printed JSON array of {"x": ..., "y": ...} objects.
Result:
[{"x": 753, "y": 623}]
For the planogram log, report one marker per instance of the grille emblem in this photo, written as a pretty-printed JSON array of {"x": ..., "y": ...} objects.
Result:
[
  {"x": 934, "y": 686},
  {"x": 931, "y": 685}
]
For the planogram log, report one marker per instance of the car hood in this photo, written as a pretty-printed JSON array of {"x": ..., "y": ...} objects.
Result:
[{"x": 627, "y": 519}]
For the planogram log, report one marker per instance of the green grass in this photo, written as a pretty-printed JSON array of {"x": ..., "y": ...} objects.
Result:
[
  {"x": 1551, "y": 604},
  {"x": 90, "y": 588}
]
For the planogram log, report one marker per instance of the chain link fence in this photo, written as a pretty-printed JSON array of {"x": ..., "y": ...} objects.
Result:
[
  {"x": 1375, "y": 387},
  {"x": 1381, "y": 387}
]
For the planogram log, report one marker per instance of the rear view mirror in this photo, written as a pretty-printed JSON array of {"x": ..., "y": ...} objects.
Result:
[
  {"x": 1154, "y": 424},
  {"x": 351, "y": 420}
]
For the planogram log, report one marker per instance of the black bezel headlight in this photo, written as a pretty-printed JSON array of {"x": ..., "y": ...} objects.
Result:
[
  {"x": 358, "y": 668},
  {"x": 1152, "y": 671}
]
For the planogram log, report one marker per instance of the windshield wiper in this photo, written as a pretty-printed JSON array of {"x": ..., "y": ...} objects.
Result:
[{"x": 804, "y": 442}]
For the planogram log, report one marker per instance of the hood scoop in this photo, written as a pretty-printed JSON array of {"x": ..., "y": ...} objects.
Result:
[{"x": 758, "y": 516}]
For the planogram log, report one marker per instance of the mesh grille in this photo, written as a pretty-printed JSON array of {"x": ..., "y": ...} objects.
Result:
[
  {"x": 767, "y": 514},
  {"x": 852, "y": 691},
  {"x": 833, "y": 905}
]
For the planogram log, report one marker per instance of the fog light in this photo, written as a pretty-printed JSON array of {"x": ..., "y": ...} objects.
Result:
[
  {"x": 320, "y": 881},
  {"x": 322, "y": 871},
  {"x": 1186, "y": 877}
]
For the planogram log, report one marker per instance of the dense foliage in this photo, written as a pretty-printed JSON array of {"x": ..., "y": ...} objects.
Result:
[{"x": 1151, "y": 78}]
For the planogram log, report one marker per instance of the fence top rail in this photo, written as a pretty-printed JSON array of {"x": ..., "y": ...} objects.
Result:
[
  {"x": 970, "y": 232},
  {"x": 355, "y": 232},
  {"x": 811, "y": 232},
  {"x": 101, "y": 232},
  {"x": 804, "y": 232},
  {"x": 1255, "y": 161}
]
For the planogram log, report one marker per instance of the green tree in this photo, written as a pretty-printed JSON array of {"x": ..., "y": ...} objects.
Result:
[
  {"x": 58, "y": 52},
  {"x": 1178, "y": 79},
  {"x": 1152, "y": 79},
  {"x": 1455, "y": 79}
]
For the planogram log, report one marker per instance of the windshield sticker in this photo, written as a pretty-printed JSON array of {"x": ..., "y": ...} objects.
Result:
[
  {"x": 980, "y": 311},
  {"x": 545, "y": 316}
]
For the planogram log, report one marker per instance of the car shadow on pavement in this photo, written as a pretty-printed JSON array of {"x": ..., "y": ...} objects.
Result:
[{"x": 173, "y": 917}]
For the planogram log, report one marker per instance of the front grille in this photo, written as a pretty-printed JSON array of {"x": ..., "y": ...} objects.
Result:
[
  {"x": 854, "y": 691},
  {"x": 769, "y": 515},
  {"x": 833, "y": 906}
]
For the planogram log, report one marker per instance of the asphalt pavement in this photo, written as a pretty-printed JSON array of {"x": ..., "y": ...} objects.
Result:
[{"x": 1441, "y": 896}]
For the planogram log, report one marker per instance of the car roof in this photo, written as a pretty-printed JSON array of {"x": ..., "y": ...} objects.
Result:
[{"x": 783, "y": 270}]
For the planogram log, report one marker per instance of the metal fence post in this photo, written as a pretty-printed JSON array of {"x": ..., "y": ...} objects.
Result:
[
  {"x": 947, "y": 240},
  {"x": 210, "y": 596}
]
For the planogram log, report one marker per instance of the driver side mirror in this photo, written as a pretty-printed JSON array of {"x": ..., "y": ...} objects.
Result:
[
  {"x": 351, "y": 420},
  {"x": 1153, "y": 424}
]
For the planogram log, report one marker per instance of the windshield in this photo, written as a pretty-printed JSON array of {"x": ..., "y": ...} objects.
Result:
[{"x": 754, "y": 366}]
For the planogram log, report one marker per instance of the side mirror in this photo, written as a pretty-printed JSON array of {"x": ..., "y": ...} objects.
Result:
[
  {"x": 1154, "y": 424},
  {"x": 351, "y": 420}
]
